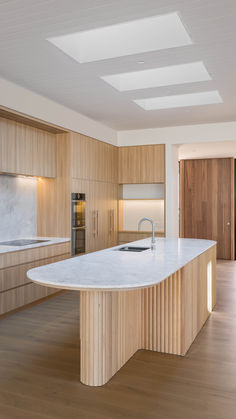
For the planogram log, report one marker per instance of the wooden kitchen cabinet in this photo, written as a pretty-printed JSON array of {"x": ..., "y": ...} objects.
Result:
[
  {"x": 16, "y": 290},
  {"x": 101, "y": 212},
  {"x": 142, "y": 164},
  {"x": 26, "y": 150},
  {"x": 93, "y": 160}
]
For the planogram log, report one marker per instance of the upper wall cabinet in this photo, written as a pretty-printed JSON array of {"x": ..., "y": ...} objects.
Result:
[
  {"x": 26, "y": 150},
  {"x": 142, "y": 164},
  {"x": 93, "y": 160}
]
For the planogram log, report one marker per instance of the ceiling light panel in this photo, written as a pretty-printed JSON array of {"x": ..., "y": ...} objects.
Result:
[
  {"x": 180, "y": 101},
  {"x": 135, "y": 37},
  {"x": 156, "y": 77}
]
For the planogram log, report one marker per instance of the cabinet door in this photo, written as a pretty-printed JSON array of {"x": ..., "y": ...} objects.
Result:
[
  {"x": 26, "y": 150},
  {"x": 106, "y": 203},
  {"x": 101, "y": 213},
  {"x": 112, "y": 214},
  {"x": 142, "y": 164},
  {"x": 93, "y": 160}
]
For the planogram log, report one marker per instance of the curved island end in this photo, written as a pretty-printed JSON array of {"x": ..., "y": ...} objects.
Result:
[{"x": 157, "y": 299}]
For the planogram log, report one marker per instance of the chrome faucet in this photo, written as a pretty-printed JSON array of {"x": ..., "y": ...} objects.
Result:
[{"x": 153, "y": 229}]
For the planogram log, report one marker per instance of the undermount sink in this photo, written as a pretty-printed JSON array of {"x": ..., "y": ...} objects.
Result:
[
  {"x": 132, "y": 249},
  {"x": 22, "y": 242}
]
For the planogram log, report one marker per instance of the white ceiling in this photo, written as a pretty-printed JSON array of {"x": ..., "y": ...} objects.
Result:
[{"x": 31, "y": 61}]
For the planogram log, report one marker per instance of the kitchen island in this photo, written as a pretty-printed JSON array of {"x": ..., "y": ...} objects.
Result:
[{"x": 157, "y": 299}]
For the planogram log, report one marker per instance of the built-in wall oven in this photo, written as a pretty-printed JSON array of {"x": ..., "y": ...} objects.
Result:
[{"x": 78, "y": 204}]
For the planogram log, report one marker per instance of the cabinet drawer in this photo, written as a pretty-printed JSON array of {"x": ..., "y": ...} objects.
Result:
[
  {"x": 18, "y": 297},
  {"x": 15, "y": 276}
]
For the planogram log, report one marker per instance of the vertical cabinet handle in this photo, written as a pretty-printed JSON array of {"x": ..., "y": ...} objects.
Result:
[
  {"x": 110, "y": 222},
  {"x": 113, "y": 220},
  {"x": 97, "y": 223},
  {"x": 94, "y": 224}
]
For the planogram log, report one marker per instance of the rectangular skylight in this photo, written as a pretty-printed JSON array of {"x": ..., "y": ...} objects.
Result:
[
  {"x": 156, "y": 77},
  {"x": 135, "y": 37},
  {"x": 180, "y": 101}
]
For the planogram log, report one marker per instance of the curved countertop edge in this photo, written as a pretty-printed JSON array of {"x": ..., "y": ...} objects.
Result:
[{"x": 36, "y": 274}]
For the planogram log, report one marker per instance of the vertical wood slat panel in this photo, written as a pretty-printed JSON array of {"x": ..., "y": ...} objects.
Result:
[
  {"x": 161, "y": 316},
  {"x": 164, "y": 318},
  {"x": 175, "y": 310},
  {"x": 110, "y": 332}
]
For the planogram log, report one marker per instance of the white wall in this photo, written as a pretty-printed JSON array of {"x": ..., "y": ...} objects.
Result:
[
  {"x": 134, "y": 210},
  {"x": 207, "y": 150},
  {"x": 172, "y": 190},
  {"x": 225, "y": 131},
  {"x": 22, "y": 100}
]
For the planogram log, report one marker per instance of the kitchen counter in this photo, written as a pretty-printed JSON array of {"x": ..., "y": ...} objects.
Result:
[
  {"x": 155, "y": 300},
  {"x": 111, "y": 269},
  {"x": 51, "y": 241}
]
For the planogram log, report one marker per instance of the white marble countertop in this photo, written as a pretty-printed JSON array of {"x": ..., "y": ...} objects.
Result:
[
  {"x": 110, "y": 269},
  {"x": 51, "y": 240}
]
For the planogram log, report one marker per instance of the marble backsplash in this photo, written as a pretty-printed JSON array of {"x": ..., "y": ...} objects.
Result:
[{"x": 18, "y": 207}]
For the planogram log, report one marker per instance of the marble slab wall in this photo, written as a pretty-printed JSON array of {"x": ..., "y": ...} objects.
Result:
[{"x": 18, "y": 207}]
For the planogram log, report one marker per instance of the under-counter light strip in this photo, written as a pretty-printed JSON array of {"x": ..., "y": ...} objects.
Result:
[
  {"x": 156, "y": 77},
  {"x": 128, "y": 38},
  {"x": 179, "y": 101}
]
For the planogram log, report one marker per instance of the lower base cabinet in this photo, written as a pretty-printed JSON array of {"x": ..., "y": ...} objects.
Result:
[{"x": 16, "y": 290}]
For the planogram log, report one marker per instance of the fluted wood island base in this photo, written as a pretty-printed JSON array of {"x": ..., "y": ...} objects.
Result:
[{"x": 165, "y": 317}]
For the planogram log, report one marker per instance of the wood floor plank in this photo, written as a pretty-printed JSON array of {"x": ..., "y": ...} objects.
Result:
[{"x": 39, "y": 367}]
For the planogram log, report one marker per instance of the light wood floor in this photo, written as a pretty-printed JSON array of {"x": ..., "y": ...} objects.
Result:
[{"x": 39, "y": 368}]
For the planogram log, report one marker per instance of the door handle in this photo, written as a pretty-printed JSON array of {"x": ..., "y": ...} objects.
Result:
[{"x": 228, "y": 223}]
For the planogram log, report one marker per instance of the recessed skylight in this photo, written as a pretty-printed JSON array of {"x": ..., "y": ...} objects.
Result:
[
  {"x": 179, "y": 101},
  {"x": 156, "y": 77},
  {"x": 135, "y": 37}
]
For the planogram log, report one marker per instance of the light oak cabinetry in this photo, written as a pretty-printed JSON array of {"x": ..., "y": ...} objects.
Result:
[
  {"x": 54, "y": 195},
  {"x": 26, "y": 150},
  {"x": 94, "y": 171},
  {"x": 101, "y": 212},
  {"x": 142, "y": 164},
  {"x": 16, "y": 290},
  {"x": 93, "y": 160},
  {"x": 84, "y": 165}
]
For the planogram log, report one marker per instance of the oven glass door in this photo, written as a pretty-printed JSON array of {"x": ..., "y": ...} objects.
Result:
[
  {"x": 78, "y": 214},
  {"x": 78, "y": 240}
]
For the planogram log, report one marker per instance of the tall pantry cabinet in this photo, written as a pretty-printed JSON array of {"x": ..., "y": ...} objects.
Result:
[
  {"x": 84, "y": 165},
  {"x": 94, "y": 171}
]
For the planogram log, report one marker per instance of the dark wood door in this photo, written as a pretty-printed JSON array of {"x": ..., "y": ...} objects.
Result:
[{"x": 207, "y": 202}]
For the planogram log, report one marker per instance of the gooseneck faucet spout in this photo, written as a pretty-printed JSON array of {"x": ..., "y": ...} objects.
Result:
[{"x": 153, "y": 228}]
